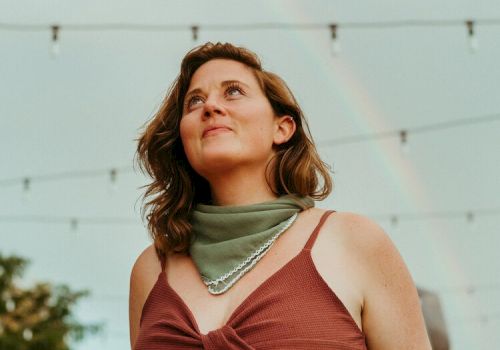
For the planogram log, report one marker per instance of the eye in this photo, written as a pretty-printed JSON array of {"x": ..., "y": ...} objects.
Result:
[
  {"x": 194, "y": 100},
  {"x": 234, "y": 90}
]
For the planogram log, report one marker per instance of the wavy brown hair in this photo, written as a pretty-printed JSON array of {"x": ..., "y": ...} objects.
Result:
[{"x": 176, "y": 187}]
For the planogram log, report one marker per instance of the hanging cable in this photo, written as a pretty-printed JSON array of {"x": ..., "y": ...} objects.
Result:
[
  {"x": 405, "y": 132},
  {"x": 434, "y": 215},
  {"x": 402, "y": 134},
  {"x": 248, "y": 26},
  {"x": 74, "y": 222},
  {"x": 64, "y": 175},
  {"x": 395, "y": 218}
]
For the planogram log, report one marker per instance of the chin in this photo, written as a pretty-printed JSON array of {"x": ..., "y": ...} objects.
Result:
[
  {"x": 220, "y": 152},
  {"x": 217, "y": 161},
  {"x": 222, "y": 159}
]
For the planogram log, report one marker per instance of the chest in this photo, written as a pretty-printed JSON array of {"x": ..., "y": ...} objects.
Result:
[{"x": 212, "y": 312}]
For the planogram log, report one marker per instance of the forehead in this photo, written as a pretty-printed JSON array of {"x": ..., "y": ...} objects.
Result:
[{"x": 218, "y": 70}]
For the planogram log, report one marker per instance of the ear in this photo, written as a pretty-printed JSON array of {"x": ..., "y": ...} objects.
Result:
[{"x": 285, "y": 128}]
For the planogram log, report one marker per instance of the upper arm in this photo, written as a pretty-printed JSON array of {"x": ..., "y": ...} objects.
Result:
[
  {"x": 392, "y": 316},
  {"x": 142, "y": 279}
]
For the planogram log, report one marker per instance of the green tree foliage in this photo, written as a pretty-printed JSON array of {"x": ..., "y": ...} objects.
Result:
[{"x": 37, "y": 318}]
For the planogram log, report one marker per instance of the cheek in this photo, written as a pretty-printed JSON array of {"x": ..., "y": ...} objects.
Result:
[
  {"x": 264, "y": 130},
  {"x": 186, "y": 133},
  {"x": 186, "y": 129}
]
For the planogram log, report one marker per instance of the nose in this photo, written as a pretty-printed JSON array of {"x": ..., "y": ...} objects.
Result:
[{"x": 212, "y": 107}]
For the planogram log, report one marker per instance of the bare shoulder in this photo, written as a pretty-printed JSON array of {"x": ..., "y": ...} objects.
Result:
[
  {"x": 345, "y": 245},
  {"x": 357, "y": 235},
  {"x": 367, "y": 241},
  {"x": 391, "y": 316},
  {"x": 356, "y": 229},
  {"x": 362, "y": 238},
  {"x": 147, "y": 265},
  {"x": 143, "y": 277},
  {"x": 369, "y": 247}
]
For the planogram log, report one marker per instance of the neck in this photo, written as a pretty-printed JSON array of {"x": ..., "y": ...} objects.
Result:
[{"x": 240, "y": 188}]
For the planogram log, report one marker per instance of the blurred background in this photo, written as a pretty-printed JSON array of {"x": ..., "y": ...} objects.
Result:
[{"x": 402, "y": 100}]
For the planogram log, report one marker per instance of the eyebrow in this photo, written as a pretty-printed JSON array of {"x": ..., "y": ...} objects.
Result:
[{"x": 222, "y": 84}]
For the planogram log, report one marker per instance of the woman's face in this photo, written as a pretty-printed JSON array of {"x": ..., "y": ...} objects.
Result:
[{"x": 227, "y": 121}]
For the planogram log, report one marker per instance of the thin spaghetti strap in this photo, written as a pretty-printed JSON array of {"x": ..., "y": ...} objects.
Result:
[
  {"x": 314, "y": 234},
  {"x": 162, "y": 261}
]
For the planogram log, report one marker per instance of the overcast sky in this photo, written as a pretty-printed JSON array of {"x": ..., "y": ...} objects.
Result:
[{"x": 81, "y": 111}]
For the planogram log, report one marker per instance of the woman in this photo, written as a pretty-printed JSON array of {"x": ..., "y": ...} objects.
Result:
[{"x": 241, "y": 258}]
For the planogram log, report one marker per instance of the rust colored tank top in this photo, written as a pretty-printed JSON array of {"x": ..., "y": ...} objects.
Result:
[{"x": 293, "y": 309}]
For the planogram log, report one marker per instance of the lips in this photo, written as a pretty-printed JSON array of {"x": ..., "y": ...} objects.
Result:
[{"x": 214, "y": 129}]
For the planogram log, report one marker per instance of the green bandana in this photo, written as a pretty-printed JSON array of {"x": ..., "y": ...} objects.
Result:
[{"x": 229, "y": 240}]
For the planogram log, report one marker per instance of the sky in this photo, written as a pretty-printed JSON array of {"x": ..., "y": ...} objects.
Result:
[{"x": 81, "y": 111}]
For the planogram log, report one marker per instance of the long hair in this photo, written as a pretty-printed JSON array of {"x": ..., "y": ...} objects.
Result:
[{"x": 176, "y": 188}]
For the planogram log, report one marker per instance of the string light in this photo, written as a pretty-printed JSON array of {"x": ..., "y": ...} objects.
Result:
[
  {"x": 482, "y": 319},
  {"x": 416, "y": 130},
  {"x": 74, "y": 224},
  {"x": 113, "y": 173},
  {"x": 470, "y": 218},
  {"x": 467, "y": 289},
  {"x": 403, "y": 139},
  {"x": 335, "y": 45},
  {"x": 324, "y": 143},
  {"x": 194, "y": 33},
  {"x": 472, "y": 37},
  {"x": 54, "y": 49},
  {"x": 26, "y": 189},
  {"x": 78, "y": 174},
  {"x": 394, "y": 221},
  {"x": 249, "y": 26},
  {"x": 471, "y": 24},
  {"x": 395, "y": 218},
  {"x": 470, "y": 290}
]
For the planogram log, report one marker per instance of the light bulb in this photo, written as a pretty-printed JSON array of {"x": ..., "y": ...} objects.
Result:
[
  {"x": 335, "y": 47},
  {"x": 54, "y": 47},
  {"x": 74, "y": 224},
  {"x": 194, "y": 32},
  {"x": 471, "y": 221},
  {"x": 334, "y": 44},
  {"x": 403, "y": 142},
  {"x": 113, "y": 173},
  {"x": 473, "y": 44},
  {"x": 26, "y": 189},
  {"x": 470, "y": 290},
  {"x": 394, "y": 221}
]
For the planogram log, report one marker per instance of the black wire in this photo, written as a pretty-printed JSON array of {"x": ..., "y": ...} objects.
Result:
[
  {"x": 419, "y": 129},
  {"x": 248, "y": 26}
]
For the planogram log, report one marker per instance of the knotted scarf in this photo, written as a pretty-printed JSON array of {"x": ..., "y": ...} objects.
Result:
[{"x": 227, "y": 241}]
